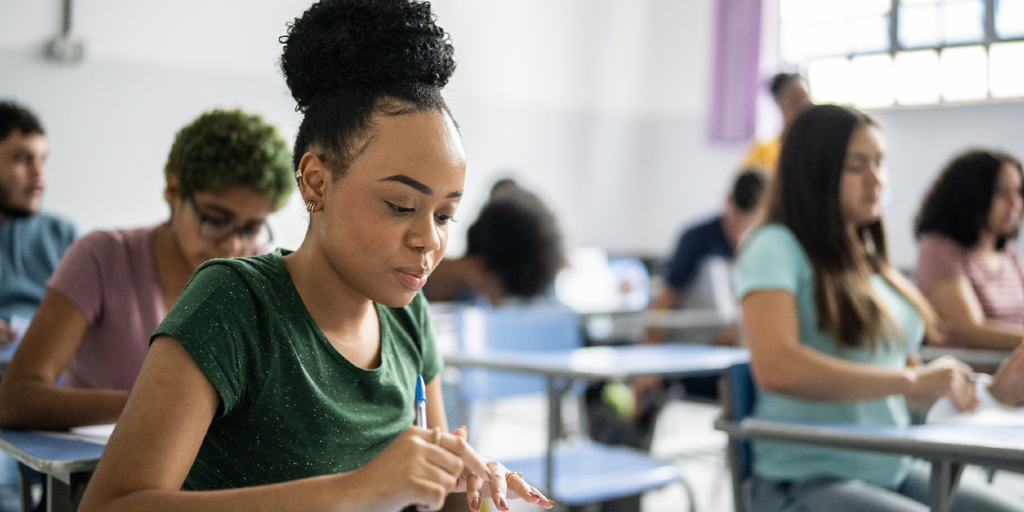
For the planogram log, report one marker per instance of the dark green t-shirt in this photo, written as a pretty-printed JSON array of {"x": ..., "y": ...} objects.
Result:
[{"x": 292, "y": 405}]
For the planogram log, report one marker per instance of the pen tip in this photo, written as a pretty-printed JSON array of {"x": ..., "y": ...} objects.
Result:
[{"x": 421, "y": 388}]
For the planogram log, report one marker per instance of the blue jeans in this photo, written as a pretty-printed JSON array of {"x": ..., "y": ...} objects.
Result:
[{"x": 828, "y": 494}]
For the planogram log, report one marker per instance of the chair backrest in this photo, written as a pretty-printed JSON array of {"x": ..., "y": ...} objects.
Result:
[
  {"x": 534, "y": 328},
  {"x": 738, "y": 403}
]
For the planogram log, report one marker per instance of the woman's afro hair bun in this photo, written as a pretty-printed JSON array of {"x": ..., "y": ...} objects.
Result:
[{"x": 386, "y": 46}]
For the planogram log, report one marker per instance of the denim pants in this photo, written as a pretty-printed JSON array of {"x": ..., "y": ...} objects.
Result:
[{"x": 829, "y": 494}]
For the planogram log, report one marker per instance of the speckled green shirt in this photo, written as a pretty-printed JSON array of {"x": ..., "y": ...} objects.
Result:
[{"x": 291, "y": 405}]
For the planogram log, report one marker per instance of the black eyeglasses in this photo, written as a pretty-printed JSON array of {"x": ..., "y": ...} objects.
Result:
[{"x": 217, "y": 230}]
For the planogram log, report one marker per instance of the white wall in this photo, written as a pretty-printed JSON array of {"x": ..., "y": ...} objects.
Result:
[
  {"x": 600, "y": 105},
  {"x": 597, "y": 104}
]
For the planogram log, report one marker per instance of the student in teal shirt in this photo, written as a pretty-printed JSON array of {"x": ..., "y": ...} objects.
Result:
[
  {"x": 286, "y": 381},
  {"x": 834, "y": 329}
]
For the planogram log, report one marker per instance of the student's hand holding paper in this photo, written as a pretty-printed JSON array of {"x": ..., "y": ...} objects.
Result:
[
  {"x": 1008, "y": 382},
  {"x": 944, "y": 377}
]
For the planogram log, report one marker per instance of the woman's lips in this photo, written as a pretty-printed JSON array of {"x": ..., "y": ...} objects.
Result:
[{"x": 412, "y": 279}]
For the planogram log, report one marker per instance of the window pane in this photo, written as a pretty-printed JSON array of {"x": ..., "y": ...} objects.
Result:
[
  {"x": 1006, "y": 65},
  {"x": 869, "y": 34},
  {"x": 917, "y": 77},
  {"x": 919, "y": 26},
  {"x": 872, "y": 80},
  {"x": 964, "y": 73},
  {"x": 829, "y": 80},
  {"x": 870, "y": 8},
  {"x": 918, "y": 2},
  {"x": 963, "y": 21},
  {"x": 1010, "y": 18}
]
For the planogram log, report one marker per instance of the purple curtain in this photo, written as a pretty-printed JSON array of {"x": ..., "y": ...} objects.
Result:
[{"x": 734, "y": 89}]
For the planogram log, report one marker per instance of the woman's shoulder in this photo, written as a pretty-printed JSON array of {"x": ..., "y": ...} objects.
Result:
[
  {"x": 260, "y": 273},
  {"x": 932, "y": 242},
  {"x": 113, "y": 240},
  {"x": 773, "y": 238}
]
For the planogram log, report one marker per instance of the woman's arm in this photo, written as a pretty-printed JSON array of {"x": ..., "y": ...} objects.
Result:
[
  {"x": 163, "y": 425},
  {"x": 29, "y": 395},
  {"x": 961, "y": 313},
  {"x": 782, "y": 365}
]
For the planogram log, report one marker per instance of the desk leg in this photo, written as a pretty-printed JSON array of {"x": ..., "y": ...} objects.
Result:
[
  {"x": 556, "y": 390},
  {"x": 58, "y": 496},
  {"x": 62, "y": 497},
  {"x": 944, "y": 481}
]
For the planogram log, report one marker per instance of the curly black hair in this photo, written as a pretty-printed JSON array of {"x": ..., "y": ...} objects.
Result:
[
  {"x": 345, "y": 60},
  {"x": 958, "y": 203},
  {"x": 16, "y": 117},
  {"x": 518, "y": 238}
]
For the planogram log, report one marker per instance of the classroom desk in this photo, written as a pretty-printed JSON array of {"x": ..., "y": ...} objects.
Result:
[
  {"x": 67, "y": 461},
  {"x": 972, "y": 357},
  {"x": 618, "y": 326},
  {"x": 561, "y": 368},
  {"x": 947, "y": 446}
]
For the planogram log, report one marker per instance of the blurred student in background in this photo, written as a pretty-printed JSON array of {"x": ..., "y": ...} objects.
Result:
[
  {"x": 791, "y": 96},
  {"x": 31, "y": 245},
  {"x": 513, "y": 252},
  {"x": 226, "y": 172},
  {"x": 834, "y": 329},
  {"x": 31, "y": 242},
  {"x": 966, "y": 264},
  {"x": 714, "y": 237}
]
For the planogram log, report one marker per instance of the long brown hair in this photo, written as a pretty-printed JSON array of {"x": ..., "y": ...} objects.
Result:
[{"x": 805, "y": 198}]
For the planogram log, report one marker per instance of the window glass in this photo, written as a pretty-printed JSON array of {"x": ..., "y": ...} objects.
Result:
[
  {"x": 1006, "y": 69},
  {"x": 964, "y": 73},
  {"x": 919, "y": 25},
  {"x": 1009, "y": 18},
  {"x": 829, "y": 80},
  {"x": 916, "y": 77},
  {"x": 872, "y": 80},
  {"x": 963, "y": 21}
]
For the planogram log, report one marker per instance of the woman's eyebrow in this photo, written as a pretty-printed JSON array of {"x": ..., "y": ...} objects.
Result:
[{"x": 405, "y": 180}]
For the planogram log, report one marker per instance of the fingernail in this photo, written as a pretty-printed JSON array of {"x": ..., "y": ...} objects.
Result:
[
  {"x": 476, "y": 504},
  {"x": 504, "y": 504}
]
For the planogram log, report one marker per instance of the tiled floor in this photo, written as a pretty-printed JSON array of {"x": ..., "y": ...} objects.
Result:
[{"x": 683, "y": 434}]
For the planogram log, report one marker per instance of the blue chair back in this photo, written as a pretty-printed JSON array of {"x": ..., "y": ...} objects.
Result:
[
  {"x": 742, "y": 397},
  {"x": 531, "y": 328}
]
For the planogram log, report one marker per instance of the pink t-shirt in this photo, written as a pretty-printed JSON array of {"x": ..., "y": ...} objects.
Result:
[
  {"x": 111, "y": 277},
  {"x": 1001, "y": 293}
]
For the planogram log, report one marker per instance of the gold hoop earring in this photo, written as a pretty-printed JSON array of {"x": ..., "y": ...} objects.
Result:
[
  {"x": 310, "y": 205},
  {"x": 298, "y": 174}
]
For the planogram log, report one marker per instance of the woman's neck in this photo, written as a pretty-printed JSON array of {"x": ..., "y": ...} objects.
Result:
[
  {"x": 986, "y": 243},
  {"x": 172, "y": 268},
  {"x": 332, "y": 302}
]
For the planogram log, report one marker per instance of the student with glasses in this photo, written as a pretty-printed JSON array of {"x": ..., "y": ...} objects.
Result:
[{"x": 226, "y": 172}]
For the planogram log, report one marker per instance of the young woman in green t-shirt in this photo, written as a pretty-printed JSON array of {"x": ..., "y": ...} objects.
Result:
[{"x": 285, "y": 382}]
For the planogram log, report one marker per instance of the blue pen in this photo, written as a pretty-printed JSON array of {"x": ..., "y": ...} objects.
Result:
[{"x": 421, "y": 402}]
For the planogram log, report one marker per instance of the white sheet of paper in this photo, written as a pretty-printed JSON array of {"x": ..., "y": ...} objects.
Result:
[{"x": 989, "y": 412}]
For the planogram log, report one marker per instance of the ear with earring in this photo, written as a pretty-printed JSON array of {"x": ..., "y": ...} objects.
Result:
[{"x": 312, "y": 204}]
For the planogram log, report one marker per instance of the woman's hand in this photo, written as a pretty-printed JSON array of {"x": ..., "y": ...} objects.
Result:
[
  {"x": 500, "y": 485},
  {"x": 421, "y": 467},
  {"x": 1008, "y": 382},
  {"x": 944, "y": 376}
]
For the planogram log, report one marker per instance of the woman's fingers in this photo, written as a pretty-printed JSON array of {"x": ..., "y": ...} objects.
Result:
[
  {"x": 458, "y": 446},
  {"x": 498, "y": 487},
  {"x": 517, "y": 487},
  {"x": 474, "y": 488}
]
